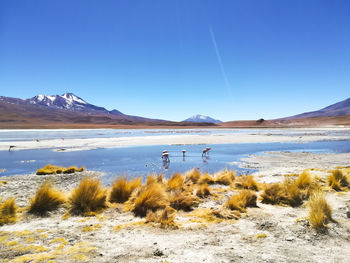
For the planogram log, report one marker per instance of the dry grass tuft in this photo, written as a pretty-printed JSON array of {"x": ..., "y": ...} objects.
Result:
[
  {"x": 226, "y": 214},
  {"x": 8, "y": 210},
  {"x": 206, "y": 215},
  {"x": 151, "y": 179},
  {"x": 245, "y": 198},
  {"x": 225, "y": 177},
  {"x": 165, "y": 218},
  {"x": 193, "y": 175},
  {"x": 46, "y": 199},
  {"x": 89, "y": 196},
  {"x": 320, "y": 212},
  {"x": 206, "y": 179},
  {"x": 122, "y": 189},
  {"x": 176, "y": 182},
  {"x": 246, "y": 182},
  {"x": 337, "y": 180},
  {"x": 304, "y": 180},
  {"x": 149, "y": 198},
  {"x": 183, "y": 201},
  {"x": 203, "y": 190},
  {"x": 282, "y": 193},
  {"x": 51, "y": 169},
  {"x": 160, "y": 178}
]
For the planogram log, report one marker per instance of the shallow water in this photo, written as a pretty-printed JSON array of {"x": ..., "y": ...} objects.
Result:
[
  {"x": 31, "y": 135},
  {"x": 140, "y": 161}
]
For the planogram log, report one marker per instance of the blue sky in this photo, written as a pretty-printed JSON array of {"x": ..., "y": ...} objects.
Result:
[{"x": 231, "y": 60}]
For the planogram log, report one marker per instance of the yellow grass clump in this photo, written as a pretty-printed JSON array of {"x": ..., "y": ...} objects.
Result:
[
  {"x": 304, "y": 180},
  {"x": 225, "y": 177},
  {"x": 193, "y": 175},
  {"x": 337, "y": 180},
  {"x": 320, "y": 212},
  {"x": 206, "y": 179},
  {"x": 176, "y": 182},
  {"x": 245, "y": 198},
  {"x": 151, "y": 179},
  {"x": 165, "y": 218},
  {"x": 183, "y": 201},
  {"x": 51, "y": 169},
  {"x": 149, "y": 198},
  {"x": 286, "y": 193},
  {"x": 203, "y": 190},
  {"x": 8, "y": 210},
  {"x": 122, "y": 189},
  {"x": 89, "y": 196},
  {"x": 46, "y": 199},
  {"x": 246, "y": 182}
]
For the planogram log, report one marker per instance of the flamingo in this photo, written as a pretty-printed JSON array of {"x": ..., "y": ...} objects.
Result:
[{"x": 206, "y": 151}]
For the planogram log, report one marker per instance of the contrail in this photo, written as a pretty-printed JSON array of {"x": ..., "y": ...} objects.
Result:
[{"x": 223, "y": 72}]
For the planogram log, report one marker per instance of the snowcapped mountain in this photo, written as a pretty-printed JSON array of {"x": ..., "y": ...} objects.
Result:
[
  {"x": 202, "y": 118},
  {"x": 66, "y": 110},
  {"x": 68, "y": 101}
]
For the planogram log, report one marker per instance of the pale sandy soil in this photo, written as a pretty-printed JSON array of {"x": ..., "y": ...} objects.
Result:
[
  {"x": 289, "y": 237},
  {"x": 303, "y": 135}
]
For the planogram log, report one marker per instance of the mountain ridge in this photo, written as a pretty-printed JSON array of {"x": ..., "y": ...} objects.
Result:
[{"x": 340, "y": 108}]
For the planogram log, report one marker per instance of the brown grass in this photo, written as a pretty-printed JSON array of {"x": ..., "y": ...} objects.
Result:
[
  {"x": 320, "y": 212},
  {"x": 151, "y": 179},
  {"x": 51, "y": 169},
  {"x": 89, "y": 196},
  {"x": 246, "y": 182},
  {"x": 8, "y": 211},
  {"x": 282, "y": 193},
  {"x": 183, "y": 201},
  {"x": 225, "y": 177},
  {"x": 203, "y": 190},
  {"x": 176, "y": 182},
  {"x": 150, "y": 198},
  {"x": 193, "y": 175},
  {"x": 225, "y": 213},
  {"x": 304, "y": 180},
  {"x": 165, "y": 218},
  {"x": 245, "y": 198},
  {"x": 122, "y": 189},
  {"x": 337, "y": 180},
  {"x": 206, "y": 179},
  {"x": 46, "y": 199}
]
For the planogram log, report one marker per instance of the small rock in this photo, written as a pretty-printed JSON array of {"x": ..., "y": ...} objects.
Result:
[
  {"x": 289, "y": 238},
  {"x": 158, "y": 253},
  {"x": 348, "y": 214}
]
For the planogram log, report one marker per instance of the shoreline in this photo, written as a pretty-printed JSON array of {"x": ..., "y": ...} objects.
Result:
[{"x": 303, "y": 136}]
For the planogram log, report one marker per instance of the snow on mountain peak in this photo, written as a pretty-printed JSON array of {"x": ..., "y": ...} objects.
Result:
[{"x": 202, "y": 118}]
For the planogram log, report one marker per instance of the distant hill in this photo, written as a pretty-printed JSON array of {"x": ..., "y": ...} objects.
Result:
[
  {"x": 201, "y": 118},
  {"x": 341, "y": 108}
]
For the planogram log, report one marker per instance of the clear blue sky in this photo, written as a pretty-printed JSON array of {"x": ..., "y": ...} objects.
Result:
[{"x": 172, "y": 59}]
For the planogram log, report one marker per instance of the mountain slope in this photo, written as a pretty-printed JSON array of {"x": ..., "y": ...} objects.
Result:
[
  {"x": 202, "y": 118},
  {"x": 338, "y": 109},
  {"x": 67, "y": 108}
]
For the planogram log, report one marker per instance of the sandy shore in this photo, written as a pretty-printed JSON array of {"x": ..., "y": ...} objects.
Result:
[
  {"x": 268, "y": 233},
  {"x": 291, "y": 135}
]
